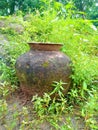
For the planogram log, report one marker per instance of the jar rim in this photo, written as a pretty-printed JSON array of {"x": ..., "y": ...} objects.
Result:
[{"x": 45, "y": 46}]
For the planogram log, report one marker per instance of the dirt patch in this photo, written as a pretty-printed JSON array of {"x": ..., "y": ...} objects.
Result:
[{"x": 17, "y": 102}]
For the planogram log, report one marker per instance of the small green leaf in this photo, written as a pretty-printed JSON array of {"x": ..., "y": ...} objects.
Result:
[{"x": 84, "y": 86}]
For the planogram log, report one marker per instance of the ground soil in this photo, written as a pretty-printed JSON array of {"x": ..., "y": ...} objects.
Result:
[{"x": 16, "y": 101}]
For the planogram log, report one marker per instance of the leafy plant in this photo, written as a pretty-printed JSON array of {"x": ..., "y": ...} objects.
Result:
[
  {"x": 90, "y": 111},
  {"x": 47, "y": 104},
  {"x": 3, "y": 110}
]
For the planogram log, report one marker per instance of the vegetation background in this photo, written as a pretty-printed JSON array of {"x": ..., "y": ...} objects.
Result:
[{"x": 73, "y": 23}]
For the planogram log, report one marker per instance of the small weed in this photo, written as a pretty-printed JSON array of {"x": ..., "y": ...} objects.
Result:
[
  {"x": 3, "y": 110},
  {"x": 47, "y": 105},
  {"x": 90, "y": 111}
]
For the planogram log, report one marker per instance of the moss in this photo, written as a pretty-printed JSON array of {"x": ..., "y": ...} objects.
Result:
[{"x": 45, "y": 64}]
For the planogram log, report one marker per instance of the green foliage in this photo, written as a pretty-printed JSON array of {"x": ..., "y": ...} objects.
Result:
[
  {"x": 47, "y": 108},
  {"x": 47, "y": 105},
  {"x": 71, "y": 8},
  {"x": 7, "y": 66},
  {"x": 6, "y": 89},
  {"x": 10, "y": 46},
  {"x": 53, "y": 105},
  {"x": 3, "y": 110},
  {"x": 79, "y": 39},
  {"x": 25, "y": 6},
  {"x": 80, "y": 43},
  {"x": 90, "y": 111},
  {"x": 82, "y": 8}
]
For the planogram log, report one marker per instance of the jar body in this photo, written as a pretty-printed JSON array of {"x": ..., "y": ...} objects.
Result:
[{"x": 37, "y": 69}]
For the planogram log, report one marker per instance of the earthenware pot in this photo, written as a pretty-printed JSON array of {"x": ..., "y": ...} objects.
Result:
[{"x": 40, "y": 66}]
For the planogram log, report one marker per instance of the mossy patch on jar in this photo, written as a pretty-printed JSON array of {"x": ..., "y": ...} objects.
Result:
[{"x": 45, "y": 64}]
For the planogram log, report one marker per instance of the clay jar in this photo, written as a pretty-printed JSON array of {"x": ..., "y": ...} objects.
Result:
[{"x": 43, "y": 64}]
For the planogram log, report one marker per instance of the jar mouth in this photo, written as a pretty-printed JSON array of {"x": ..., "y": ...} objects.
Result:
[{"x": 45, "y": 46}]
